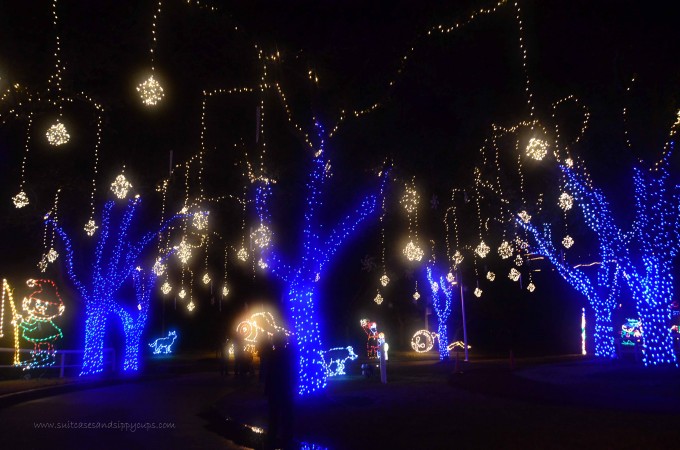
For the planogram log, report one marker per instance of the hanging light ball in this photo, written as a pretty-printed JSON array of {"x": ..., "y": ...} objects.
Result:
[
  {"x": 384, "y": 280},
  {"x": 52, "y": 255},
  {"x": 90, "y": 227},
  {"x": 505, "y": 250},
  {"x": 120, "y": 186},
  {"x": 206, "y": 278},
  {"x": 490, "y": 276},
  {"x": 410, "y": 199},
  {"x": 531, "y": 287},
  {"x": 450, "y": 277},
  {"x": 158, "y": 267},
  {"x": 413, "y": 252},
  {"x": 262, "y": 236},
  {"x": 482, "y": 250},
  {"x": 565, "y": 201},
  {"x": 416, "y": 295},
  {"x": 225, "y": 290},
  {"x": 57, "y": 134},
  {"x": 200, "y": 220},
  {"x": 182, "y": 293},
  {"x": 242, "y": 254},
  {"x": 457, "y": 258},
  {"x": 150, "y": 91},
  {"x": 191, "y": 306},
  {"x": 478, "y": 292},
  {"x": 184, "y": 251},
  {"x": 518, "y": 260},
  {"x": 378, "y": 298},
  {"x": 537, "y": 149},
  {"x": 568, "y": 241},
  {"x": 20, "y": 200},
  {"x": 166, "y": 288},
  {"x": 514, "y": 274},
  {"x": 263, "y": 265}
]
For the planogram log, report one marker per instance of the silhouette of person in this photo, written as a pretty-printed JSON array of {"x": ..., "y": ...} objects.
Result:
[{"x": 280, "y": 391}]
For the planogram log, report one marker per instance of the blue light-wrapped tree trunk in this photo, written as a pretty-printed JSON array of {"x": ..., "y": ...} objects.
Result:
[
  {"x": 115, "y": 261},
  {"x": 301, "y": 277},
  {"x": 442, "y": 295}
]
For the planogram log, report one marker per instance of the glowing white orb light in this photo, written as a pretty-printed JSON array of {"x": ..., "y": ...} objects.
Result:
[
  {"x": 514, "y": 274},
  {"x": 120, "y": 186},
  {"x": 166, "y": 288},
  {"x": 90, "y": 227},
  {"x": 490, "y": 276},
  {"x": 482, "y": 250},
  {"x": 384, "y": 280},
  {"x": 537, "y": 148},
  {"x": 478, "y": 292},
  {"x": 57, "y": 134},
  {"x": 242, "y": 254},
  {"x": 20, "y": 200},
  {"x": 565, "y": 201},
  {"x": 206, "y": 278},
  {"x": 505, "y": 250},
  {"x": 568, "y": 241},
  {"x": 150, "y": 91},
  {"x": 378, "y": 298},
  {"x": 531, "y": 287},
  {"x": 524, "y": 216},
  {"x": 413, "y": 252}
]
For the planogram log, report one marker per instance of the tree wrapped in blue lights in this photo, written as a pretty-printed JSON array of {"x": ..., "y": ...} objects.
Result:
[
  {"x": 648, "y": 266},
  {"x": 301, "y": 278},
  {"x": 116, "y": 260},
  {"x": 442, "y": 295}
]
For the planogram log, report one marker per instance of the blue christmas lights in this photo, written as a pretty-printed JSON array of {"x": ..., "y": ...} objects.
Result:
[
  {"x": 164, "y": 344},
  {"x": 115, "y": 261},
  {"x": 648, "y": 268},
  {"x": 441, "y": 300},
  {"x": 301, "y": 278},
  {"x": 334, "y": 360}
]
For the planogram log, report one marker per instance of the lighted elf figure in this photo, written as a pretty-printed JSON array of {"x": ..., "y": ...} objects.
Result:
[
  {"x": 37, "y": 326},
  {"x": 371, "y": 329}
]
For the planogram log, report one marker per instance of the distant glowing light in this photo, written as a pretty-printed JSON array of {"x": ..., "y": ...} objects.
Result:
[
  {"x": 378, "y": 298},
  {"x": 384, "y": 280},
  {"x": 90, "y": 227},
  {"x": 120, "y": 186},
  {"x": 416, "y": 295},
  {"x": 57, "y": 134},
  {"x": 537, "y": 149},
  {"x": 158, "y": 267},
  {"x": 206, "y": 278},
  {"x": 514, "y": 274},
  {"x": 182, "y": 293},
  {"x": 478, "y": 292},
  {"x": 184, "y": 251},
  {"x": 262, "y": 236},
  {"x": 242, "y": 254},
  {"x": 166, "y": 288},
  {"x": 191, "y": 306},
  {"x": 435, "y": 286},
  {"x": 531, "y": 287},
  {"x": 413, "y": 252},
  {"x": 263, "y": 265},
  {"x": 490, "y": 276},
  {"x": 20, "y": 200},
  {"x": 568, "y": 241},
  {"x": 505, "y": 250},
  {"x": 569, "y": 162},
  {"x": 482, "y": 249},
  {"x": 200, "y": 220},
  {"x": 52, "y": 255},
  {"x": 410, "y": 199},
  {"x": 150, "y": 91},
  {"x": 225, "y": 290},
  {"x": 450, "y": 277},
  {"x": 566, "y": 201}
]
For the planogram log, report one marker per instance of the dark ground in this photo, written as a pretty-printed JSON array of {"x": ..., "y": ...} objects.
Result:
[{"x": 561, "y": 402}]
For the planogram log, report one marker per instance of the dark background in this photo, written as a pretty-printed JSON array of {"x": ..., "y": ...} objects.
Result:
[{"x": 431, "y": 124}]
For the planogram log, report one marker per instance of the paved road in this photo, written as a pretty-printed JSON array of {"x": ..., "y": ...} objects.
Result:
[{"x": 180, "y": 401}]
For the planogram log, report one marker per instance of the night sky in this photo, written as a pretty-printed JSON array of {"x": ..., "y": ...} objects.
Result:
[{"x": 431, "y": 124}]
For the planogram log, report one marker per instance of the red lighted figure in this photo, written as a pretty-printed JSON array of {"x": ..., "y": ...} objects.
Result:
[{"x": 371, "y": 329}]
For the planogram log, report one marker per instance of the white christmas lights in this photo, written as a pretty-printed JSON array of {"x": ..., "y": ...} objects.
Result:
[
  {"x": 262, "y": 236},
  {"x": 121, "y": 186},
  {"x": 378, "y": 298},
  {"x": 537, "y": 148},
  {"x": 566, "y": 201},
  {"x": 150, "y": 91},
  {"x": 242, "y": 254},
  {"x": 206, "y": 278},
  {"x": 490, "y": 276},
  {"x": 384, "y": 280},
  {"x": 57, "y": 134},
  {"x": 482, "y": 250},
  {"x": 166, "y": 288},
  {"x": 567, "y": 241},
  {"x": 20, "y": 200},
  {"x": 531, "y": 287},
  {"x": 524, "y": 216},
  {"x": 514, "y": 274},
  {"x": 90, "y": 227},
  {"x": 413, "y": 252},
  {"x": 505, "y": 250},
  {"x": 478, "y": 292}
]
